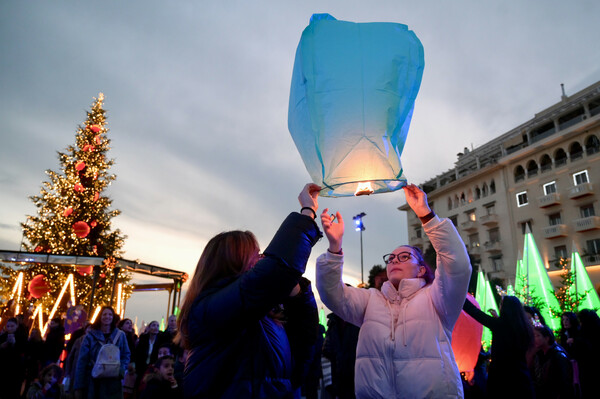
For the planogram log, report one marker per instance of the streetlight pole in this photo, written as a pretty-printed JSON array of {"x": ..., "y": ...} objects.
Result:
[{"x": 359, "y": 226}]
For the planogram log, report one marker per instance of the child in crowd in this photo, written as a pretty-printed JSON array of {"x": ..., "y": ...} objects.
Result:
[
  {"x": 48, "y": 385},
  {"x": 162, "y": 383}
]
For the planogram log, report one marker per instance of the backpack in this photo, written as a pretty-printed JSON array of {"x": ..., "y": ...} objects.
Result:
[{"x": 108, "y": 361}]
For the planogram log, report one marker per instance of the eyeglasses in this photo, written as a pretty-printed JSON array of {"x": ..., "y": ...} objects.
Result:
[{"x": 401, "y": 257}]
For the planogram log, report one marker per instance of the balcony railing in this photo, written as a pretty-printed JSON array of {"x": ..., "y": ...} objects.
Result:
[
  {"x": 588, "y": 223},
  {"x": 558, "y": 230},
  {"x": 493, "y": 246},
  {"x": 489, "y": 220},
  {"x": 468, "y": 225},
  {"x": 581, "y": 190},
  {"x": 549, "y": 200}
]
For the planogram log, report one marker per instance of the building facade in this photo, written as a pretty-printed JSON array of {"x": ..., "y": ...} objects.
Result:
[{"x": 543, "y": 174}]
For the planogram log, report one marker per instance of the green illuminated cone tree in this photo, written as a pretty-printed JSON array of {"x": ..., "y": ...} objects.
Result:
[{"x": 74, "y": 218}]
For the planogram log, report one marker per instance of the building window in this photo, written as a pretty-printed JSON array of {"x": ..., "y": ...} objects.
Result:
[
  {"x": 496, "y": 263},
  {"x": 560, "y": 252},
  {"x": 454, "y": 220},
  {"x": 587, "y": 210},
  {"x": 550, "y": 188},
  {"x": 493, "y": 187},
  {"x": 449, "y": 203},
  {"x": 474, "y": 241},
  {"x": 484, "y": 190},
  {"x": 576, "y": 151},
  {"x": 522, "y": 199},
  {"x": 545, "y": 163},
  {"x": 593, "y": 246},
  {"x": 580, "y": 177},
  {"x": 471, "y": 215},
  {"x": 592, "y": 145},
  {"x": 490, "y": 209},
  {"x": 418, "y": 233},
  {"x": 532, "y": 168},
  {"x": 525, "y": 225},
  {"x": 554, "y": 219},
  {"x": 519, "y": 174},
  {"x": 494, "y": 234},
  {"x": 477, "y": 193},
  {"x": 560, "y": 157}
]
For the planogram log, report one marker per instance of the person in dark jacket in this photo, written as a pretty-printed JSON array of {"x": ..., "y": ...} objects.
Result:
[
  {"x": 161, "y": 383},
  {"x": 512, "y": 336},
  {"x": 552, "y": 371},
  {"x": 230, "y": 322},
  {"x": 55, "y": 342}
]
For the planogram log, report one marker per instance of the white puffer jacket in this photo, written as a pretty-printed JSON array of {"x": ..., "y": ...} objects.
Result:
[{"x": 404, "y": 346}]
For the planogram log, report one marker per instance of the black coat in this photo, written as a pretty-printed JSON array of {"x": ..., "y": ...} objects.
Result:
[{"x": 236, "y": 349}]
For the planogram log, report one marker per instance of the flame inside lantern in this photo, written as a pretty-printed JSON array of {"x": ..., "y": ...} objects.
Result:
[{"x": 363, "y": 188}]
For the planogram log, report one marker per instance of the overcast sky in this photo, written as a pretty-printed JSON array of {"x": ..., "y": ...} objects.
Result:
[{"x": 197, "y": 97}]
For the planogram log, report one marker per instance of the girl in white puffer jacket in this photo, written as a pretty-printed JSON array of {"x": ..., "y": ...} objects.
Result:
[{"x": 404, "y": 346}]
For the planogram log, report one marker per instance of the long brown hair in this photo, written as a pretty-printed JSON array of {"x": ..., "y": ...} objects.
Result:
[{"x": 227, "y": 254}]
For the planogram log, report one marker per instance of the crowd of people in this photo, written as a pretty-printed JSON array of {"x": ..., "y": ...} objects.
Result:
[
  {"x": 248, "y": 328},
  {"x": 51, "y": 367}
]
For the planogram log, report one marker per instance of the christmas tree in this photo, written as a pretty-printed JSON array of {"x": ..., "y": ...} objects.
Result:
[
  {"x": 568, "y": 298},
  {"x": 74, "y": 218}
]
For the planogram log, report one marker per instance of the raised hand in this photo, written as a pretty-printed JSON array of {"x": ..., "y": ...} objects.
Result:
[
  {"x": 334, "y": 229},
  {"x": 417, "y": 200},
  {"x": 308, "y": 197}
]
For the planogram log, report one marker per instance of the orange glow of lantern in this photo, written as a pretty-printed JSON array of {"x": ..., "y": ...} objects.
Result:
[
  {"x": 363, "y": 188},
  {"x": 466, "y": 340}
]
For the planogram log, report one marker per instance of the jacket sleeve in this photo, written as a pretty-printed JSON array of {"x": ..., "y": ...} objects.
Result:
[
  {"x": 268, "y": 283},
  {"x": 124, "y": 352},
  {"x": 480, "y": 316},
  {"x": 349, "y": 303},
  {"x": 81, "y": 368},
  {"x": 449, "y": 288},
  {"x": 302, "y": 328}
]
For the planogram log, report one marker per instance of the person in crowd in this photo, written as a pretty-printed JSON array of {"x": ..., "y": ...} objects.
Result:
[
  {"x": 512, "y": 336},
  {"x": 48, "y": 385},
  {"x": 589, "y": 366},
  {"x": 171, "y": 330},
  {"x": 71, "y": 360},
  {"x": 104, "y": 330},
  {"x": 230, "y": 314},
  {"x": 126, "y": 325},
  {"x": 552, "y": 373},
  {"x": 377, "y": 276},
  {"x": 146, "y": 350},
  {"x": 534, "y": 315},
  {"x": 163, "y": 350},
  {"x": 34, "y": 353},
  {"x": 55, "y": 341},
  {"x": 12, "y": 360},
  {"x": 339, "y": 347},
  {"x": 179, "y": 366},
  {"x": 404, "y": 345},
  {"x": 161, "y": 383}
]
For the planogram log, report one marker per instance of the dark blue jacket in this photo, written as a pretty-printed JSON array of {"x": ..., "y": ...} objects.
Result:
[{"x": 237, "y": 349}]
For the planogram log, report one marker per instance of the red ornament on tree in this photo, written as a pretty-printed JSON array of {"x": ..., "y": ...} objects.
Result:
[
  {"x": 68, "y": 211},
  {"x": 95, "y": 128},
  {"x": 96, "y": 196},
  {"x": 38, "y": 286},
  {"x": 93, "y": 223},
  {"x": 89, "y": 148},
  {"x": 80, "y": 165},
  {"x": 98, "y": 140},
  {"x": 78, "y": 188},
  {"x": 81, "y": 229},
  {"x": 84, "y": 271}
]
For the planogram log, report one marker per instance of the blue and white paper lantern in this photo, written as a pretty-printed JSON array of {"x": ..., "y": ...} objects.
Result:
[{"x": 351, "y": 101}]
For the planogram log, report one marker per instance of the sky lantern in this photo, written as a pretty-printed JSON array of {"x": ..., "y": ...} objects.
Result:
[
  {"x": 583, "y": 283},
  {"x": 466, "y": 339},
  {"x": 352, "y": 96}
]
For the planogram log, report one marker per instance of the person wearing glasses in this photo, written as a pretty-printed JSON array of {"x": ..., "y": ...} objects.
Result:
[{"x": 404, "y": 345}]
